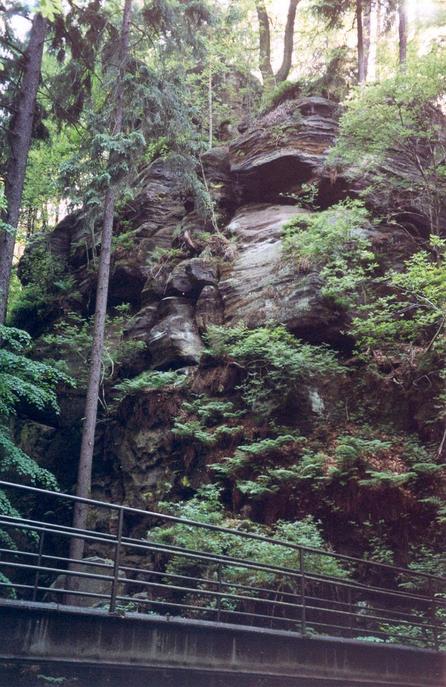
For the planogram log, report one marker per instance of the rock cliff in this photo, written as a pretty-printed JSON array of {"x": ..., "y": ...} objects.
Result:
[{"x": 180, "y": 275}]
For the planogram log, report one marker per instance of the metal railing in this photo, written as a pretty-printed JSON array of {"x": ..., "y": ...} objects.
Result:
[{"x": 268, "y": 583}]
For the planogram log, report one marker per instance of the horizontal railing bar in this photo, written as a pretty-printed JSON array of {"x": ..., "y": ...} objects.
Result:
[
  {"x": 272, "y": 602},
  {"x": 204, "y": 580},
  {"x": 59, "y": 571},
  {"x": 55, "y": 590},
  {"x": 236, "y": 585},
  {"x": 207, "y": 609},
  {"x": 212, "y": 594},
  {"x": 207, "y": 526},
  {"x": 358, "y": 631},
  {"x": 271, "y": 617},
  {"x": 236, "y": 562},
  {"x": 60, "y": 559},
  {"x": 265, "y": 568},
  {"x": 53, "y": 528},
  {"x": 296, "y": 620}
]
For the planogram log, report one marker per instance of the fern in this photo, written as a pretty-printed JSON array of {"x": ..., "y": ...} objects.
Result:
[
  {"x": 148, "y": 381},
  {"x": 274, "y": 361}
]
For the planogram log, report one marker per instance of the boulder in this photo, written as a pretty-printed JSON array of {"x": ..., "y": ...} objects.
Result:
[
  {"x": 262, "y": 285},
  {"x": 141, "y": 323},
  {"x": 94, "y": 565},
  {"x": 174, "y": 341},
  {"x": 190, "y": 276},
  {"x": 179, "y": 282},
  {"x": 202, "y": 271}
]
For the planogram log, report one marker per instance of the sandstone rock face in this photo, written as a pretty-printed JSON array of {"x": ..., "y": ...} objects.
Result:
[
  {"x": 253, "y": 183},
  {"x": 217, "y": 169},
  {"x": 284, "y": 148},
  {"x": 209, "y": 308},
  {"x": 174, "y": 341},
  {"x": 263, "y": 285}
]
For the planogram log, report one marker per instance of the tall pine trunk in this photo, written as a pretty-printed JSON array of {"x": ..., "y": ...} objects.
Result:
[
  {"x": 373, "y": 41},
  {"x": 362, "y": 66},
  {"x": 91, "y": 406},
  {"x": 20, "y": 136},
  {"x": 402, "y": 30}
]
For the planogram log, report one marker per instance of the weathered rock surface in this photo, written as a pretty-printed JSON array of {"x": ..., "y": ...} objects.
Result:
[
  {"x": 209, "y": 308},
  {"x": 175, "y": 296},
  {"x": 174, "y": 341},
  {"x": 284, "y": 148},
  {"x": 263, "y": 285}
]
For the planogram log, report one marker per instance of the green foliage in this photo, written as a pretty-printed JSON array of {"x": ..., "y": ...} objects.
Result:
[
  {"x": 206, "y": 507},
  {"x": 161, "y": 258},
  {"x": 45, "y": 284},
  {"x": 274, "y": 361},
  {"x": 50, "y": 8},
  {"x": 207, "y": 421},
  {"x": 211, "y": 411},
  {"x": 150, "y": 380},
  {"x": 194, "y": 429},
  {"x": 401, "y": 114},
  {"x": 414, "y": 310},
  {"x": 72, "y": 339},
  {"x": 22, "y": 381},
  {"x": 336, "y": 241},
  {"x": 43, "y": 192},
  {"x": 285, "y": 90},
  {"x": 249, "y": 455}
]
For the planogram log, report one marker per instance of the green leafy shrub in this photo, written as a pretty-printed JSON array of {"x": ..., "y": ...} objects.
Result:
[
  {"x": 194, "y": 429},
  {"x": 249, "y": 455},
  {"x": 275, "y": 363},
  {"x": 206, "y": 507},
  {"x": 413, "y": 312},
  {"x": 72, "y": 339},
  {"x": 401, "y": 114},
  {"x": 22, "y": 380},
  {"x": 336, "y": 242}
]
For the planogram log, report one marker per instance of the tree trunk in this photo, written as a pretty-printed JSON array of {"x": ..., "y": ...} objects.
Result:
[
  {"x": 366, "y": 20},
  {"x": 20, "y": 136},
  {"x": 402, "y": 12},
  {"x": 91, "y": 405},
  {"x": 264, "y": 45},
  {"x": 361, "y": 50},
  {"x": 211, "y": 109},
  {"x": 373, "y": 41},
  {"x": 288, "y": 43}
]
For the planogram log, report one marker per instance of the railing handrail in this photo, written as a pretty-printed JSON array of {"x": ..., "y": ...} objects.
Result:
[{"x": 224, "y": 530}]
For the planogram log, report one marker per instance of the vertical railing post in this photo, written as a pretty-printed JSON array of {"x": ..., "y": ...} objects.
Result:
[
  {"x": 302, "y": 591},
  {"x": 350, "y": 610},
  {"x": 39, "y": 563},
  {"x": 116, "y": 562},
  {"x": 219, "y": 592},
  {"x": 433, "y": 615}
]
